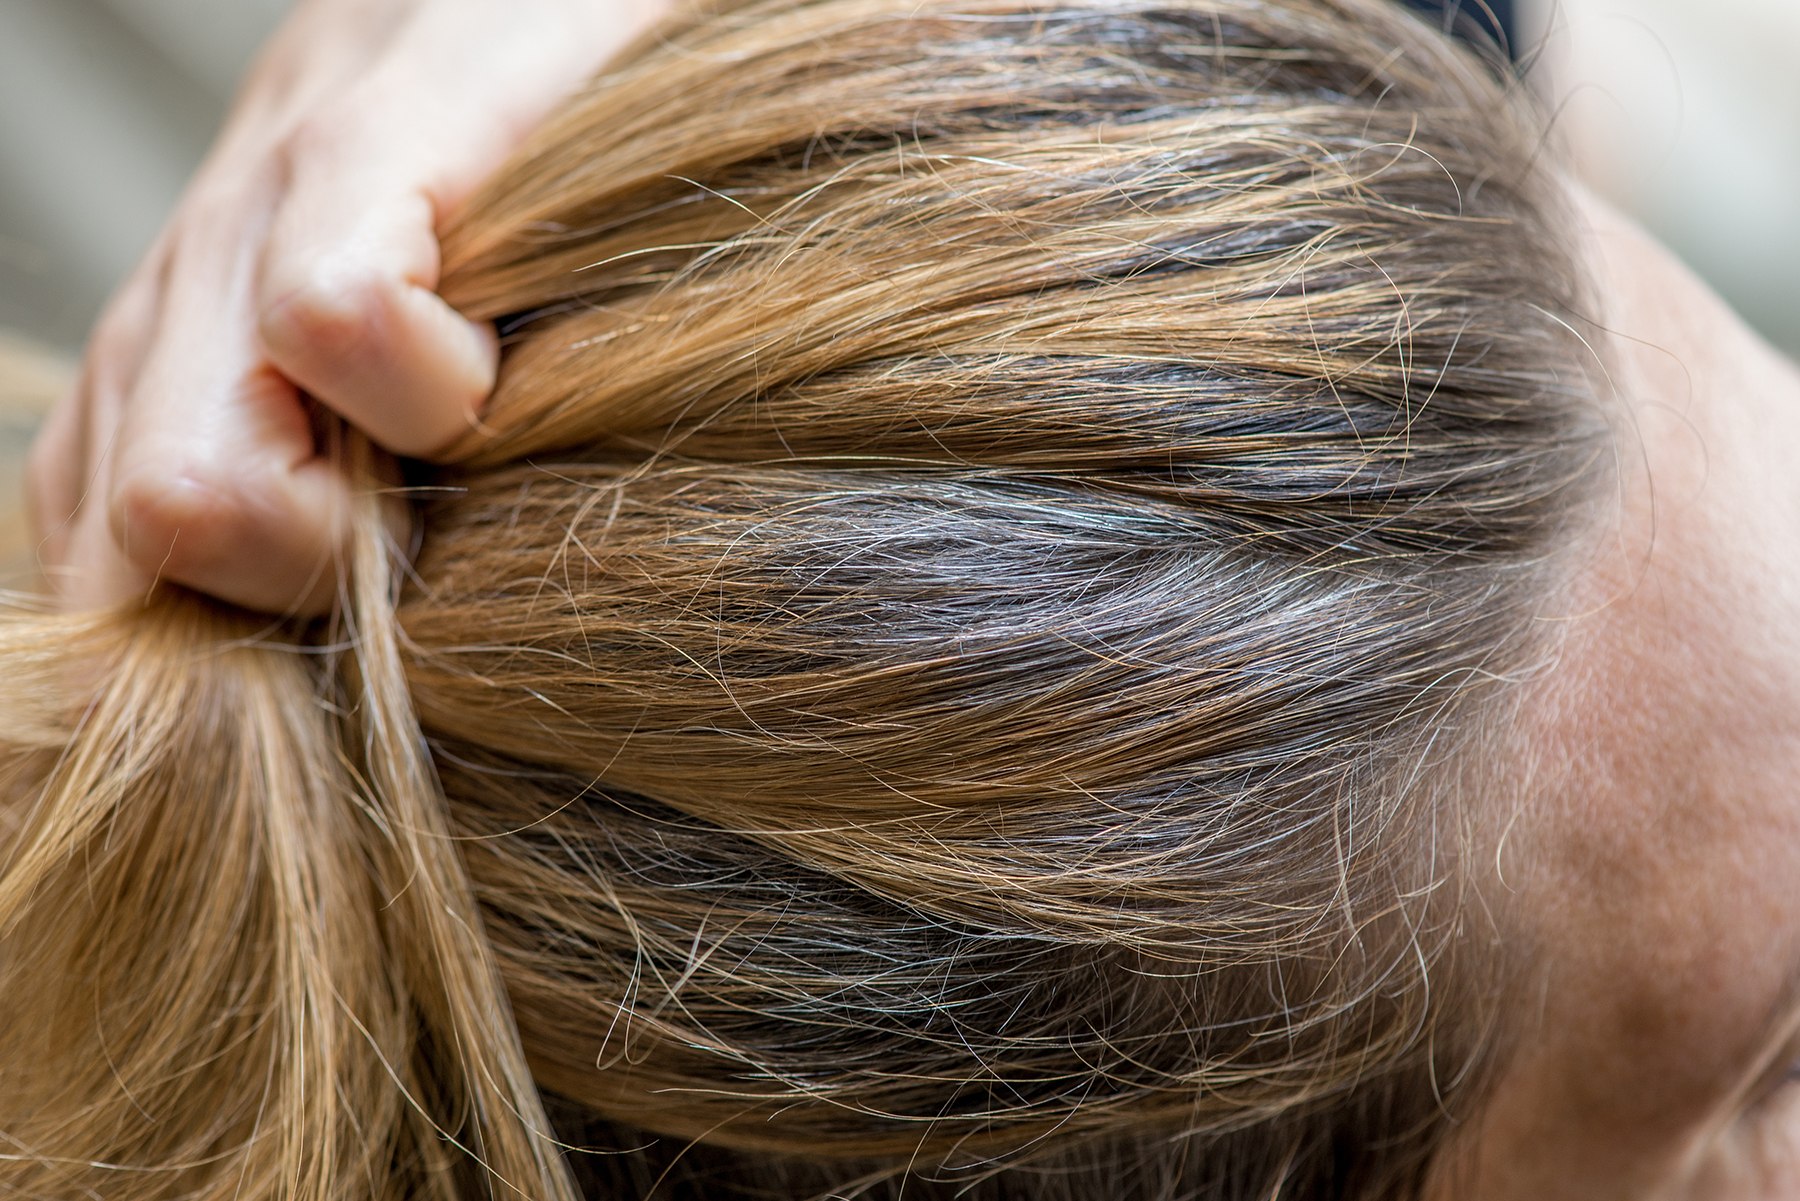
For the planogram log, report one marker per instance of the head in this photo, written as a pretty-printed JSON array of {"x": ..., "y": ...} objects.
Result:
[
  {"x": 1648, "y": 864},
  {"x": 1039, "y": 612}
]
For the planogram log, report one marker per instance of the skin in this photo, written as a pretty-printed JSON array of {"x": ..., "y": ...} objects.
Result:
[
  {"x": 301, "y": 263},
  {"x": 1652, "y": 879}
]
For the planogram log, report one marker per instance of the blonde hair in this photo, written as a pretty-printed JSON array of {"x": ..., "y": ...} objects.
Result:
[{"x": 951, "y": 659}]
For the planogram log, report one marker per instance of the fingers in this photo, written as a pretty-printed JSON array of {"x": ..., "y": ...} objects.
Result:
[
  {"x": 65, "y": 489},
  {"x": 243, "y": 509},
  {"x": 302, "y": 265},
  {"x": 346, "y": 311},
  {"x": 346, "y": 298},
  {"x": 217, "y": 482},
  {"x": 183, "y": 455}
]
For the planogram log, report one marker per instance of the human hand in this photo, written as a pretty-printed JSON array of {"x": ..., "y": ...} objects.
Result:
[{"x": 301, "y": 262}]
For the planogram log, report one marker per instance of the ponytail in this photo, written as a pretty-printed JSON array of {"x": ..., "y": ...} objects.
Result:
[{"x": 239, "y": 957}]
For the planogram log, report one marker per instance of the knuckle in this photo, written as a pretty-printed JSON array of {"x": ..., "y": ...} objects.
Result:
[
  {"x": 316, "y": 140},
  {"x": 326, "y": 314},
  {"x": 173, "y": 509}
]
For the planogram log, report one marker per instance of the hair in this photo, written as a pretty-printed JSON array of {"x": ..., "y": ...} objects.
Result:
[{"x": 958, "y": 663}]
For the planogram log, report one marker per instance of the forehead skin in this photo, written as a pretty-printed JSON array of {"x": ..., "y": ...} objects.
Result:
[{"x": 1651, "y": 881}]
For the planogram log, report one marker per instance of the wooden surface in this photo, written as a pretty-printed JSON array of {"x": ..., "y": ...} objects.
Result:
[{"x": 31, "y": 380}]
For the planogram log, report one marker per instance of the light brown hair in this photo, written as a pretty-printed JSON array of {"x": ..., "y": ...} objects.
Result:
[{"x": 949, "y": 668}]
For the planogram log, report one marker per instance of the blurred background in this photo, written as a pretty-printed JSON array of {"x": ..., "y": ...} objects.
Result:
[
  {"x": 1684, "y": 112},
  {"x": 106, "y": 107}
]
